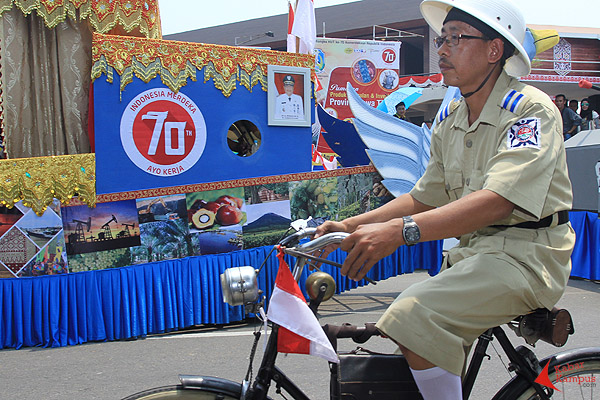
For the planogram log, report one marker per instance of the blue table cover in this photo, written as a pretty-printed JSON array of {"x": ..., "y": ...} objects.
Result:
[{"x": 134, "y": 301}]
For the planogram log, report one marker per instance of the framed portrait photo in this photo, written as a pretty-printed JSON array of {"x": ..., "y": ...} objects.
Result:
[{"x": 288, "y": 96}]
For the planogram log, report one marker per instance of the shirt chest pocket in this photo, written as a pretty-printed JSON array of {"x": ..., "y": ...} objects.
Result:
[
  {"x": 454, "y": 183},
  {"x": 473, "y": 183},
  {"x": 457, "y": 185}
]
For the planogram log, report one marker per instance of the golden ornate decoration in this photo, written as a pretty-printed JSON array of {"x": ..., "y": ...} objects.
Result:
[
  {"x": 39, "y": 180},
  {"x": 175, "y": 62},
  {"x": 103, "y": 15},
  {"x": 201, "y": 187}
]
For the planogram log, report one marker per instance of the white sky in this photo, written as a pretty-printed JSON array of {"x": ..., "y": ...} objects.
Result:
[{"x": 185, "y": 15}]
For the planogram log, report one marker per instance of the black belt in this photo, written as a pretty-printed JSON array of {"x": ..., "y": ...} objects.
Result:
[{"x": 563, "y": 218}]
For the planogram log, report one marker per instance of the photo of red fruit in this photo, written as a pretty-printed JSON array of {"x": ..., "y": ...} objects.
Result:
[
  {"x": 216, "y": 210},
  {"x": 229, "y": 215},
  {"x": 199, "y": 203},
  {"x": 231, "y": 200},
  {"x": 212, "y": 206}
]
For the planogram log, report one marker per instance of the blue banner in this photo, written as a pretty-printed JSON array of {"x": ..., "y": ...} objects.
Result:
[{"x": 150, "y": 137}]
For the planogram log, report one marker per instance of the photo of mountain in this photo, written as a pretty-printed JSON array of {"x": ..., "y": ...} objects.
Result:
[{"x": 266, "y": 223}]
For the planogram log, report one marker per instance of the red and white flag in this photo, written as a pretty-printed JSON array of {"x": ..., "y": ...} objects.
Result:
[
  {"x": 305, "y": 26},
  {"x": 299, "y": 329},
  {"x": 291, "y": 39}
]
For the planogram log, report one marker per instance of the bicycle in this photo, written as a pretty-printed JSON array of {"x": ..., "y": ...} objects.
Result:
[{"x": 569, "y": 375}]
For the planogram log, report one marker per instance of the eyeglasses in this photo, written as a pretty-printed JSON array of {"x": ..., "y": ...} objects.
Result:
[
  {"x": 453, "y": 39},
  {"x": 585, "y": 104}
]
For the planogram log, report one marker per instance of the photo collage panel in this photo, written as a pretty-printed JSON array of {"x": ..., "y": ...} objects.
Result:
[{"x": 132, "y": 232}]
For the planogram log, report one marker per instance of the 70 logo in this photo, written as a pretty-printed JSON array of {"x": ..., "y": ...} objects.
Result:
[
  {"x": 388, "y": 55},
  {"x": 169, "y": 127}
]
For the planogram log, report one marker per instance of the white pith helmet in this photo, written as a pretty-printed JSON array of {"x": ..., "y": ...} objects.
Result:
[{"x": 501, "y": 15}]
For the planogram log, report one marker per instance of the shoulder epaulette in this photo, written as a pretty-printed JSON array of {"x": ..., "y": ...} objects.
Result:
[
  {"x": 449, "y": 109},
  {"x": 512, "y": 100}
]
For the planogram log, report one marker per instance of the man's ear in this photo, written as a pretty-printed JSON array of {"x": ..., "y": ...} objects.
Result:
[{"x": 496, "y": 49}]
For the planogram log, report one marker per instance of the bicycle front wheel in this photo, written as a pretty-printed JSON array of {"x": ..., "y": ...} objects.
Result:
[
  {"x": 575, "y": 375},
  {"x": 178, "y": 392}
]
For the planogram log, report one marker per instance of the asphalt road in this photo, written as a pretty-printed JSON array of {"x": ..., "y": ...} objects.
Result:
[{"x": 112, "y": 370}]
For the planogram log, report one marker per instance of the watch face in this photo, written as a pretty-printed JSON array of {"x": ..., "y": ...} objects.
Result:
[{"x": 412, "y": 234}]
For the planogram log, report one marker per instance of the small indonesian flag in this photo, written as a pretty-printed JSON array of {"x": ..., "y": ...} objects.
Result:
[
  {"x": 299, "y": 329},
  {"x": 320, "y": 158},
  {"x": 318, "y": 84}
]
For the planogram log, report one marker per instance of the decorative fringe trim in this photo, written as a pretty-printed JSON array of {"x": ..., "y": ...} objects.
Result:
[
  {"x": 102, "y": 15},
  {"x": 175, "y": 62},
  {"x": 39, "y": 180}
]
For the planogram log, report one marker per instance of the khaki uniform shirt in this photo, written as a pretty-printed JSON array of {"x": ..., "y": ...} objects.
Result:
[{"x": 516, "y": 150}]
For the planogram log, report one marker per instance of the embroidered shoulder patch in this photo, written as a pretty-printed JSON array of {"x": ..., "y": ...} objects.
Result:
[{"x": 525, "y": 133}]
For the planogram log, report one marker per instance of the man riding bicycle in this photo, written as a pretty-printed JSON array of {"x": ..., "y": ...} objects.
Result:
[{"x": 497, "y": 179}]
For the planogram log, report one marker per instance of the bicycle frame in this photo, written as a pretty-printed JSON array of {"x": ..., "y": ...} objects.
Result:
[
  {"x": 525, "y": 365},
  {"x": 269, "y": 372},
  {"x": 522, "y": 364},
  {"x": 522, "y": 360}
]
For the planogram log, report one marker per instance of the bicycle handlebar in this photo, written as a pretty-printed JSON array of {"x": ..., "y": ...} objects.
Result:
[
  {"x": 294, "y": 238},
  {"x": 301, "y": 250},
  {"x": 323, "y": 241},
  {"x": 315, "y": 244}
]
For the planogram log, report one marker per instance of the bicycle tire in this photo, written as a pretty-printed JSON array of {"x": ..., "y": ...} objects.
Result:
[
  {"x": 576, "y": 374},
  {"x": 179, "y": 392}
]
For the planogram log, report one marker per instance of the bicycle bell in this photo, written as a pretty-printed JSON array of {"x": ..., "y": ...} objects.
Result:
[
  {"x": 239, "y": 285},
  {"x": 314, "y": 283}
]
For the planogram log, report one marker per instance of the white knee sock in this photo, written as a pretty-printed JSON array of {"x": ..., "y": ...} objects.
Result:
[{"x": 438, "y": 384}]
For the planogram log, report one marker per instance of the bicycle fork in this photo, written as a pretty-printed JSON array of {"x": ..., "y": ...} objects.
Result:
[{"x": 269, "y": 372}]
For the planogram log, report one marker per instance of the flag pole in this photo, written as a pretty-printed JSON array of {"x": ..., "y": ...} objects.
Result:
[{"x": 297, "y": 38}]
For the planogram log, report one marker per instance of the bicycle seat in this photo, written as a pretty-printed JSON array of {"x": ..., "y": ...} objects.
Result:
[{"x": 552, "y": 326}]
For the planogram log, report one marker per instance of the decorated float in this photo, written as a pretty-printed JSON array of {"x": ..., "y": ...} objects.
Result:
[
  {"x": 192, "y": 173},
  {"x": 194, "y": 170}
]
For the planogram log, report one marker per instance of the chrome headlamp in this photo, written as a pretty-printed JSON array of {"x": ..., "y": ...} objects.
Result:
[{"x": 239, "y": 286}]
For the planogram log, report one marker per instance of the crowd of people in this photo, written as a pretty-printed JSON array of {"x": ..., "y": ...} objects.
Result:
[{"x": 574, "y": 122}]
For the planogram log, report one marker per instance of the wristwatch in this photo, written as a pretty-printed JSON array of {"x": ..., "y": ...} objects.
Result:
[{"x": 410, "y": 232}]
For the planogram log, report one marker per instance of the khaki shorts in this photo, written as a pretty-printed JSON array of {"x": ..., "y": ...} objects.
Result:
[
  {"x": 440, "y": 318},
  {"x": 495, "y": 277}
]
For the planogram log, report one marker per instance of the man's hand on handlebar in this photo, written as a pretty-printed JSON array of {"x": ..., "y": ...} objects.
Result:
[
  {"x": 366, "y": 245},
  {"x": 328, "y": 227},
  {"x": 369, "y": 244}
]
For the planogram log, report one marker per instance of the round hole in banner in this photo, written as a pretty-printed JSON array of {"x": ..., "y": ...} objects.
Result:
[{"x": 243, "y": 138}]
